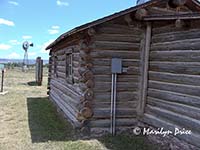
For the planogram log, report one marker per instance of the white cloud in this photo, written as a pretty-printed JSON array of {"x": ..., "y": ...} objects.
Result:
[
  {"x": 13, "y": 56},
  {"x": 54, "y": 30},
  {"x": 13, "y": 3},
  {"x": 26, "y": 37},
  {"x": 44, "y": 46},
  {"x": 4, "y": 47},
  {"x": 55, "y": 27},
  {"x": 62, "y": 3},
  {"x": 14, "y": 42},
  {"x": 6, "y": 22},
  {"x": 51, "y": 31}
]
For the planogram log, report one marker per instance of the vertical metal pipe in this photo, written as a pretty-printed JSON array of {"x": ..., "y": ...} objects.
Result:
[
  {"x": 114, "y": 103},
  {"x": 111, "y": 109}
]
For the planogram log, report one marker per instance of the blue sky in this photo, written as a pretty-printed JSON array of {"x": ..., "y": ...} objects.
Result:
[{"x": 42, "y": 21}]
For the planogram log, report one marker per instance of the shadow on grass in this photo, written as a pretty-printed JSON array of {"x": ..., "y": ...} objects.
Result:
[
  {"x": 44, "y": 122},
  {"x": 32, "y": 83},
  {"x": 46, "y": 125}
]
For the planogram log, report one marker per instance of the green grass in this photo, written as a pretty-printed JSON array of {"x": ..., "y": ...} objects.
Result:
[{"x": 29, "y": 121}]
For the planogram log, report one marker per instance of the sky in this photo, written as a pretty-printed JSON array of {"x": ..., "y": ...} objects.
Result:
[{"x": 42, "y": 21}]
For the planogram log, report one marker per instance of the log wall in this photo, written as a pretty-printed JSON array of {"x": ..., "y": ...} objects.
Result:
[
  {"x": 173, "y": 98},
  {"x": 64, "y": 94},
  {"x": 116, "y": 40}
]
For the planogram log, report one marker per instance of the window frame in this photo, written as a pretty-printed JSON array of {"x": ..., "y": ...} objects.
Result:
[
  {"x": 55, "y": 66},
  {"x": 69, "y": 67}
]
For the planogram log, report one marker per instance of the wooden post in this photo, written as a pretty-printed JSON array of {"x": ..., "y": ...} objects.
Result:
[
  {"x": 39, "y": 71},
  {"x": 145, "y": 68},
  {"x": 2, "y": 78}
]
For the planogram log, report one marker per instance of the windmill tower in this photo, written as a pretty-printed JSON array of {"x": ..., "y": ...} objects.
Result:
[{"x": 25, "y": 47}]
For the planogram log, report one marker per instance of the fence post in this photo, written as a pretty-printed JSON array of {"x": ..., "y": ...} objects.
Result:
[
  {"x": 39, "y": 71},
  {"x": 2, "y": 78}
]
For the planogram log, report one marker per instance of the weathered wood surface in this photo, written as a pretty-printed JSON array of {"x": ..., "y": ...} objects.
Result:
[
  {"x": 174, "y": 82},
  {"x": 175, "y": 97},
  {"x": 176, "y": 56},
  {"x": 145, "y": 68},
  {"x": 175, "y": 78},
  {"x": 176, "y": 118},
  {"x": 104, "y": 113},
  {"x": 116, "y": 41},
  {"x": 191, "y": 68},
  {"x": 182, "y": 109},
  {"x": 121, "y": 96},
  {"x": 167, "y": 125},
  {"x": 65, "y": 108},
  {"x": 121, "y": 86}
]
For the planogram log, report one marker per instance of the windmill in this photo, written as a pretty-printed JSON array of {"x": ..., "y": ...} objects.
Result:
[{"x": 25, "y": 46}]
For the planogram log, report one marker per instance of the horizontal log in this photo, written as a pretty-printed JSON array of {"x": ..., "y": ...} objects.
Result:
[
  {"x": 176, "y": 56},
  {"x": 182, "y": 109},
  {"x": 70, "y": 90},
  {"x": 61, "y": 75},
  {"x": 165, "y": 29},
  {"x": 113, "y": 53},
  {"x": 120, "y": 78},
  {"x": 186, "y": 44},
  {"x": 179, "y": 88},
  {"x": 105, "y": 70},
  {"x": 119, "y": 29},
  {"x": 158, "y": 10},
  {"x": 186, "y": 16},
  {"x": 192, "y": 68},
  {"x": 126, "y": 105},
  {"x": 104, "y": 113},
  {"x": 175, "y": 97},
  {"x": 121, "y": 86},
  {"x": 100, "y": 45},
  {"x": 175, "y": 78},
  {"x": 158, "y": 123},
  {"x": 121, "y": 96},
  {"x": 107, "y": 62},
  {"x": 71, "y": 117},
  {"x": 177, "y": 119},
  {"x": 118, "y": 38},
  {"x": 191, "y": 34},
  {"x": 65, "y": 99}
]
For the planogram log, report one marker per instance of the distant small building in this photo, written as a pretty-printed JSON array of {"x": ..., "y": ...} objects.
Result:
[{"x": 159, "y": 45}]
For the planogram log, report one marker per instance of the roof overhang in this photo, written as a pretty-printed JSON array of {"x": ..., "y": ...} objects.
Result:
[{"x": 125, "y": 12}]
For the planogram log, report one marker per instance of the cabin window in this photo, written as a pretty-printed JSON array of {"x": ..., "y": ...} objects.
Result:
[
  {"x": 69, "y": 67},
  {"x": 55, "y": 66}
]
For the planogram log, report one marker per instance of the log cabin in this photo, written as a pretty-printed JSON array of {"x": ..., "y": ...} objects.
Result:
[{"x": 140, "y": 65}]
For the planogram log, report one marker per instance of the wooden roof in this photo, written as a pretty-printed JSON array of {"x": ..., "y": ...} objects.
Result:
[{"x": 193, "y": 4}]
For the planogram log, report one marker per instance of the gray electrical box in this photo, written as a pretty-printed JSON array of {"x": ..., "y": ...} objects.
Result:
[{"x": 116, "y": 65}]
